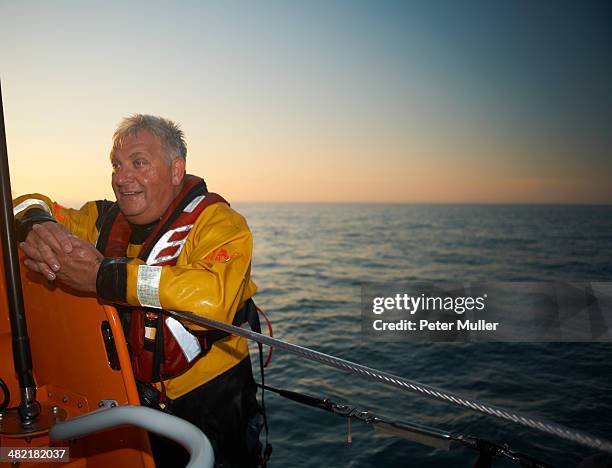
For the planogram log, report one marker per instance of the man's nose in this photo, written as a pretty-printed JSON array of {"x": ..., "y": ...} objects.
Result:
[{"x": 123, "y": 175}]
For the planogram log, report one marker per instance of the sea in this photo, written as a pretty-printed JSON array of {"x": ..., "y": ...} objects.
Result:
[{"x": 310, "y": 262}]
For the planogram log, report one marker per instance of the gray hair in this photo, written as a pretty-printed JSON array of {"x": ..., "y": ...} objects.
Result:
[{"x": 171, "y": 136}]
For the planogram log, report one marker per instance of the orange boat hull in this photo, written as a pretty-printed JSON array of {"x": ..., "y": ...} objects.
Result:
[{"x": 72, "y": 371}]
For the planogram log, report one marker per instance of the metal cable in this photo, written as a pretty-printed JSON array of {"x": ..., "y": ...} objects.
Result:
[{"x": 400, "y": 382}]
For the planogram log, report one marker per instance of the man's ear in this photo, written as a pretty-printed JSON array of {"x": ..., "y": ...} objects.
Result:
[{"x": 178, "y": 170}]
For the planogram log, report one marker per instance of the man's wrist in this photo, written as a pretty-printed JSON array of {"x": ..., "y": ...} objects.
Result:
[
  {"x": 111, "y": 279},
  {"x": 24, "y": 225}
]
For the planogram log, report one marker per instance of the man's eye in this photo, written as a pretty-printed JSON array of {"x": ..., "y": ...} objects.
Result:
[
  {"x": 140, "y": 163},
  {"x": 115, "y": 166}
]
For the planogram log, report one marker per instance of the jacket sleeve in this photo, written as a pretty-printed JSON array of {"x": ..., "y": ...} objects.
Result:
[
  {"x": 211, "y": 277},
  {"x": 36, "y": 208}
]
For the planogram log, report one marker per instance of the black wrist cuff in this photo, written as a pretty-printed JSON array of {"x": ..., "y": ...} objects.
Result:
[
  {"x": 111, "y": 282},
  {"x": 33, "y": 216}
]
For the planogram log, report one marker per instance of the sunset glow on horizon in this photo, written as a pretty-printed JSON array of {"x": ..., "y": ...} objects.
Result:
[{"x": 401, "y": 102}]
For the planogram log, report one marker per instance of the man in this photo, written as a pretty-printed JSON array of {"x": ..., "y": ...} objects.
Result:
[{"x": 165, "y": 244}]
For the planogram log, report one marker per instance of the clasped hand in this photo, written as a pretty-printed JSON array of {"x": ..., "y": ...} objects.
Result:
[{"x": 54, "y": 252}]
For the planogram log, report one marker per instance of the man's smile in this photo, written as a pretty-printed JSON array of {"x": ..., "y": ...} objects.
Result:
[{"x": 130, "y": 193}]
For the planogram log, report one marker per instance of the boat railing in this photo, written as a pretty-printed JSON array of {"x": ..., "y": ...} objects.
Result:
[{"x": 166, "y": 425}]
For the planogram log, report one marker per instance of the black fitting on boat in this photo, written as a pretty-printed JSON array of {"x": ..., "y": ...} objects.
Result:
[{"x": 7, "y": 395}]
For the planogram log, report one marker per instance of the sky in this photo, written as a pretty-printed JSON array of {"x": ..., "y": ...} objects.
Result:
[{"x": 319, "y": 101}]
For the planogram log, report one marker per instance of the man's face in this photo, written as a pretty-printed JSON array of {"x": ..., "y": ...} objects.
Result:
[{"x": 143, "y": 181}]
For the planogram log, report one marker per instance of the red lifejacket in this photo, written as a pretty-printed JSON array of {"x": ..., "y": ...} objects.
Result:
[{"x": 160, "y": 346}]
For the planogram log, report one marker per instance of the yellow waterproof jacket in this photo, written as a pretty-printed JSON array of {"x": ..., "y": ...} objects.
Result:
[{"x": 212, "y": 276}]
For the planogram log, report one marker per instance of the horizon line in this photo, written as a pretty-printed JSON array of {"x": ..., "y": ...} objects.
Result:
[
  {"x": 369, "y": 202},
  {"x": 78, "y": 204}
]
